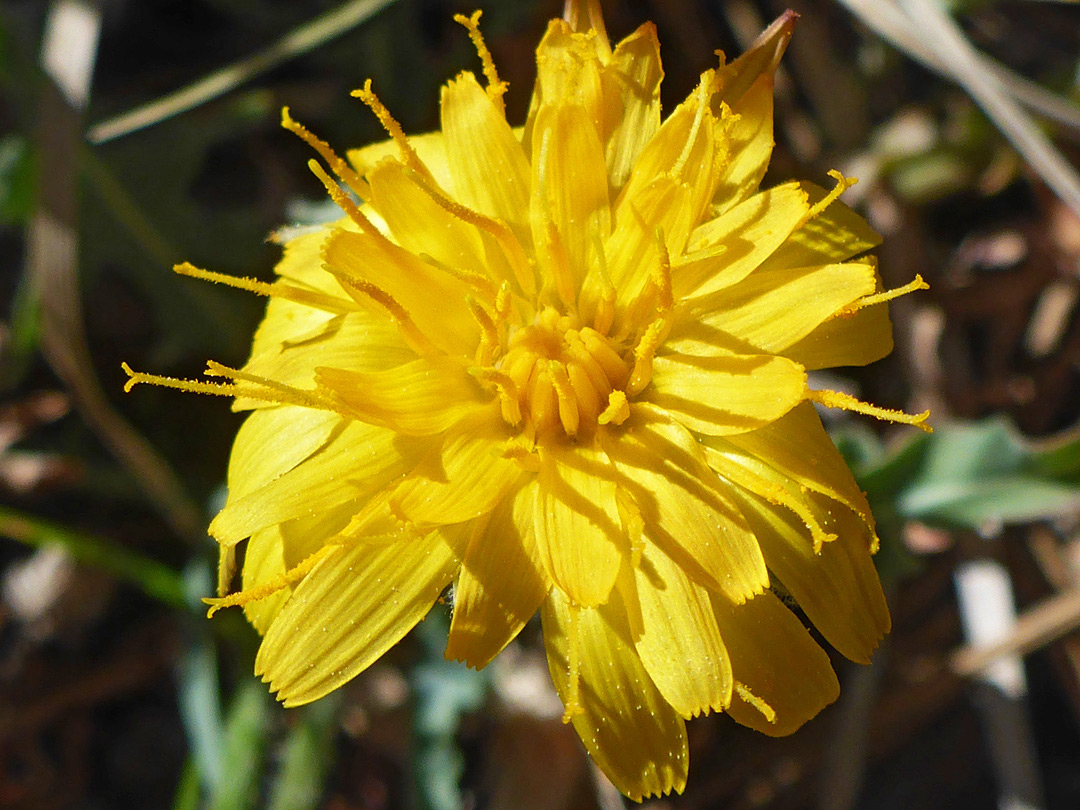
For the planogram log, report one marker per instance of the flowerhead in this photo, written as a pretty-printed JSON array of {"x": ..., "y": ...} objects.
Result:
[{"x": 563, "y": 368}]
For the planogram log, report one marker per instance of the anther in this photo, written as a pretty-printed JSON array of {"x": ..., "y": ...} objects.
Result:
[
  {"x": 351, "y": 209},
  {"x": 509, "y": 395},
  {"x": 409, "y": 330},
  {"x": 341, "y": 168},
  {"x": 392, "y": 127},
  {"x": 496, "y": 87},
  {"x": 489, "y": 335},
  {"x": 278, "y": 583},
  {"x": 842, "y": 185},
  {"x": 767, "y": 711},
  {"x": 838, "y": 399},
  {"x": 617, "y": 410},
  {"x": 564, "y": 392},
  {"x": 286, "y": 393},
  {"x": 888, "y": 295},
  {"x": 661, "y": 276},
  {"x": 312, "y": 298},
  {"x": 644, "y": 353}
]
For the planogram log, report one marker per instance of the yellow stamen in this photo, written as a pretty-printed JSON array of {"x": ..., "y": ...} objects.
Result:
[
  {"x": 880, "y": 298},
  {"x": 311, "y": 298},
  {"x": 344, "y": 202},
  {"x": 287, "y": 393},
  {"x": 617, "y": 410},
  {"x": 509, "y": 395},
  {"x": 222, "y": 389},
  {"x": 568, "y": 407},
  {"x": 479, "y": 282},
  {"x": 521, "y": 450},
  {"x": 702, "y": 93},
  {"x": 560, "y": 263},
  {"x": 393, "y": 128},
  {"x": 489, "y": 335},
  {"x": 409, "y": 330},
  {"x": 341, "y": 167},
  {"x": 278, "y": 583},
  {"x": 511, "y": 248},
  {"x": 661, "y": 276},
  {"x": 573, "y": 644},
  {"x": 838, "y": 399},
  {"x": 496, "y": 87},
  {"x": 772, "y": 492},
  {"x": 502, "y": 304},
  {"x": 842, "y": 185},
  {"x": 601, "y": 351},
  {"x": 743, "y": 691},
  {"x": 644, "y": 353}
]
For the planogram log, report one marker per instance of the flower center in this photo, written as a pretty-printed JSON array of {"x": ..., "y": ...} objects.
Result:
[{"x": 563, "y": 373}]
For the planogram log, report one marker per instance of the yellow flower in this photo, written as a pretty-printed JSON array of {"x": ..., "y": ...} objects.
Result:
[{"x": 564, "y": 368}]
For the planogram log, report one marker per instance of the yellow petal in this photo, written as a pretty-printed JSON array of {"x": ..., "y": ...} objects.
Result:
[
  {"x": 684, "y": 508},
  {"x": 490, "y": 170},
  {"x": 725, "y": 393},
  {"x": 665, "y": 207},
  {"x": 263, "y": 562},
  {"x": 774, "y": 657},
  {"x": 838, "y": 588},
  {"x": 760, "y": 59},
  {"x": 727, "y": 249},
  {"x": 348, "y": 611},
  {"x": 669, "y": 187},
  {"x": 773, "y": 309},
  {"x": 567, "y": 72},
  {"x": 631, "y": 87},
  {"x": 463, "y": 478},
  {"x": 576, "y": 522},
  {"x": 632, "y": 733},
  {"x": 570, "y": 191},
  {"x": 676, "y": 636},
  {"x": 432, "y": 299},
  {"x": 355, "y": 462},
  {"x": 301, "y": 262},
  {"x": 834, "y": 235},
  {"x": 301, "y": 265},
  {"x": 272, "y": 441},
  {"x": 747, "y": 133},
  {"x": 798, "y": 447},
  {"x": 848, "y": 340},
  {"x": 419, "y": 398},
  {"x": 429, "y": 147},
  {"x": 499, "y": 588},
  {"x": 305, "y": 535},
  {"x": 357, "y": 340}
]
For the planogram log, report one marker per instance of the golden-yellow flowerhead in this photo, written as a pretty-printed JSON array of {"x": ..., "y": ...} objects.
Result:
[{"x": 564, "y": 368}]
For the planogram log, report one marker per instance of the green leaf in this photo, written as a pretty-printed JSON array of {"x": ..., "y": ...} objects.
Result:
[
  {"x": 982, "y": 504},
  {"x": 1060, "y": 458},
  {"x": 444, "y": 691},
  {"x": 244, "y": 750},
  {"x": 307, "y": 757},
  {"x": 198, "y": 692},
  {"x": 16, "y": 180},
  {"x": 154, "y": 578},
  {"x": 975, "y": 475},
  {"x": 25, "y": 323}
]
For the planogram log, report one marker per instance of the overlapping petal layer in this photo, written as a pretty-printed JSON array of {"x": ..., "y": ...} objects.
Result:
[{"x": 564, "y": 367}]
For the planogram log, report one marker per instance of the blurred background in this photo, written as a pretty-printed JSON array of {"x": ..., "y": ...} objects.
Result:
[{"x": 134, "y": 135}]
